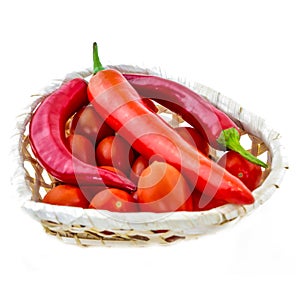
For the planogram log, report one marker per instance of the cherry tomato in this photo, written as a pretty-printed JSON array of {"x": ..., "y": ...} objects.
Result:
[
  {"x": 114, "y": 200},
  {"x": 89, "y": 191},
  {"x": 115, "y": 170},
  {"x": 116, "y": 152},
  {"x": 188, "y": 205},
  {"x": 66, "y": 195},
  {"x": 87, "y": 122},
  {"x": 202, "y": 203},
  {"x": 249, "y": 173},
  {"x": 82, "y": 148},
  {"x": 162, "y": 188},
  {"x": 138, "y": 167},
  {"x": 191, "y": 135}
]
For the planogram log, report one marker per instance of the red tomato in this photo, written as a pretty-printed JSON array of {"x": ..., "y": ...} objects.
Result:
[
  {"x": 116, "y": 152},
  {"x": 87, "y": 122},
  {"x": 138, "y": 167},
  {"x": 89, "y": 191},
  {"x": 110, "y": 168},
  {"x": 201, "y": 202},
  {"x": 162, "y": 188},
  {"x": 114, "y": 200},
  {"x": 82, "y": 148},
  {"x": 66, "y": 195},
  {"x": 249, "y": 173},
  {"x": 192, "y": 136}
]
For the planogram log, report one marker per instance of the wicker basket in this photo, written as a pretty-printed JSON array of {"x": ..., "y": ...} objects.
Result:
[{"x": 92, "y": 227}]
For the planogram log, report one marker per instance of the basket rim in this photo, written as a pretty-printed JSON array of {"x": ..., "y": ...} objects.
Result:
[{"x": 203, "y": 220}]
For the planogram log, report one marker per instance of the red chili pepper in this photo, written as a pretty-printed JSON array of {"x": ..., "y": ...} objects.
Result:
[
  {"x": 218, "y": 129},
  {"x": 48, "y": 141},
  {"x": 118, "y": 103},
  {"x": 150, "y": 105}
]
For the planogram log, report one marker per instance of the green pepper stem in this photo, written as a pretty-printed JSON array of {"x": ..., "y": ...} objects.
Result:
[
  {"x": 97, "y": 64},
  {"x": 230, "y": 138}
]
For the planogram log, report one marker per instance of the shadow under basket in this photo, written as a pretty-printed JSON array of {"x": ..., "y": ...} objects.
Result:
[{"x": 90, "y": 227}]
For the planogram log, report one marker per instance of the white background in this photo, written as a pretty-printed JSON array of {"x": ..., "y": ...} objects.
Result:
[{"x": 247, "y": 50}]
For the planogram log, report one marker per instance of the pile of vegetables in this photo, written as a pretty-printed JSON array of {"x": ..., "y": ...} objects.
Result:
[{"x": 109, "y": 149}]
